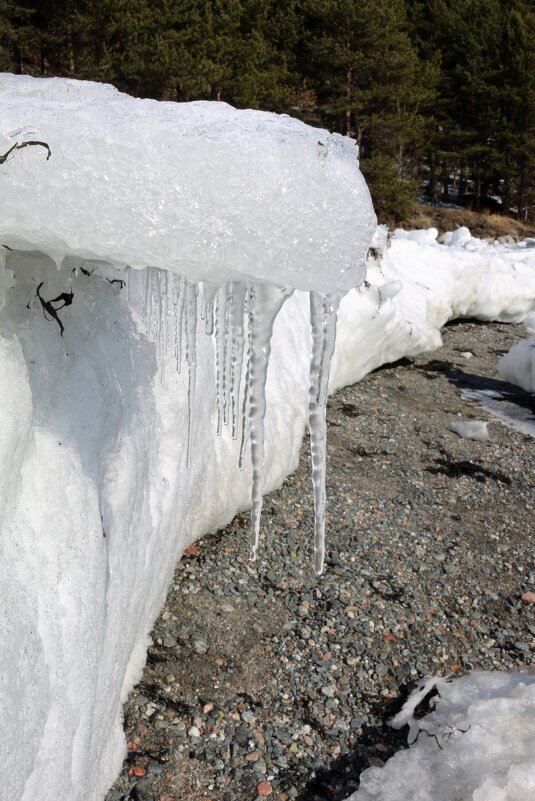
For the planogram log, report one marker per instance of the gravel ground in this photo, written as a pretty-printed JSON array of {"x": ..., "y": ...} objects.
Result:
[{"x": 264, "y": 680}]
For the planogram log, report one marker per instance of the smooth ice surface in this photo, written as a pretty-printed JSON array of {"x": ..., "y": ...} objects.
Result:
[
  {"x": 477, "y": 745},
  {"x": 202, "y": 189},
  {"x": 518, "y": 365},
  {"x": 472, "y": 429},
  {"x": 97, "y": 426}
]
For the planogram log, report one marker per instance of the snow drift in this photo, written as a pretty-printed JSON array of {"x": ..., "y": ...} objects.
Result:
[{"x": 99, "y": 422}]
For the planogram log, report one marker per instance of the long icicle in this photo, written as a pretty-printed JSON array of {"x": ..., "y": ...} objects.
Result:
[
  {"x": 179, "y": 296},
  {"x": 191, "y": 357},
  {"x": 323, "y": 316},
  {"x": 147, "y": 297},
  {"x": 157, "y": 308},
  {"x": 237, "y": 315},
  {"x": 266, "y": 302},
  {"x": 227, "y": 354},
  {"x": 245, "y": 401},
  {"x": 164, "y": 323},
  {"x": 220, "y": 318}
]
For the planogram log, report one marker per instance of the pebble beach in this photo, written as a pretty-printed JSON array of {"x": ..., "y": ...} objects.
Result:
[{"x": 264, "y": 680}]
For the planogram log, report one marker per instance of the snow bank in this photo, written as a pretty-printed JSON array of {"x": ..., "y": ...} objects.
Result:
[
  {"x": 97, "y": 425},
  {"x": 478, "y": 744},
  {"x": 471, "y": 279},
  {"x": 415, "y": 286}
]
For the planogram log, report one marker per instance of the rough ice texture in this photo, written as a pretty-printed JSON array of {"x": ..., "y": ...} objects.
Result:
[
  {"x": 518, "y": 365},
  {"x": 200, "y": 188},
  {"x": 96, "y": 499},
  {"x": 477, "y": 745}
]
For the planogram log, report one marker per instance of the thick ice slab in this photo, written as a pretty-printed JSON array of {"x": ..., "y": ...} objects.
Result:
[{"x": 199, "y": 188}]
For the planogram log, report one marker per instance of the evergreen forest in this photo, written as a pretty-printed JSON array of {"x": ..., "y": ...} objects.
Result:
[{"x": 439, "y": 94}]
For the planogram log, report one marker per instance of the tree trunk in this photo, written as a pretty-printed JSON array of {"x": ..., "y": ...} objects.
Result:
[
  {"x": 462, "y": 182},
  {"x": 445, "y": 183},
  {"x": 349, "y": 83},
  {"x": 70, "y": 45},
  {"x": 478, "y": 189},
  {"x": 349, "y": 88}
]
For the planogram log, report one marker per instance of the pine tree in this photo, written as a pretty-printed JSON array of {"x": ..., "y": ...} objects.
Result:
[{"x": 371, "y": 85}]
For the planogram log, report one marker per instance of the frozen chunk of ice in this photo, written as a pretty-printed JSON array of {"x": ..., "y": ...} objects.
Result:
[
  {"x": 518, "y": 365},
  {"x": 472, "y": 429}
]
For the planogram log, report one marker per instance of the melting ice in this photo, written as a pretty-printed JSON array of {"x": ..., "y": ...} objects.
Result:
[
  {"x": 247, "y": 205},
  {"x": 233, "y": 314}
]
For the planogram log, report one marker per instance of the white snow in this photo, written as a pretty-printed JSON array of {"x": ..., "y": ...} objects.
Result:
[
  {"x": 518, "y": 365},
  {"x": 478, "y": 744},
  {"x": 472, "y": 429},
  {"x": 97, "y": 427}
]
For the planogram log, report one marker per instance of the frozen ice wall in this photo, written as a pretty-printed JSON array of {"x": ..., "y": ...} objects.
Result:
[
  {"x": 111, "y": 394},
  {"x": 252, "y": 204}
]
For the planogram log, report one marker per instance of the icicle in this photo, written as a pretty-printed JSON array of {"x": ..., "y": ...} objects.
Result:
[
  {"x": 220, "y": 318},
  {"x": 157, "y": 306},
  {"x": 245, "y": 402},
  {"x": 179, "y": 296},
  {"x": 147, "y": 297},
  {"x": 236, "y": 321},
  {"x": 164, "y": 323},
  {"x": 209, "y": 292},
  {"x": 2, "y": 279},
  {"x": 323, "y": 312},
  {"x": 191, "y": 357},
  {"x": 128, "y": 282},
  {"x": 265, "y": 304},
  {"x": 227, "y": 355}
]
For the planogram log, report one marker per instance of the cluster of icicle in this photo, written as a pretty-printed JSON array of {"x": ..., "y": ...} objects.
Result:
[{"x": 240, "y": 317}]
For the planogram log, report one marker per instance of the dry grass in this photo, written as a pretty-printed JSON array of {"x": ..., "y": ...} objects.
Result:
[{"x": 483, "y": 225}]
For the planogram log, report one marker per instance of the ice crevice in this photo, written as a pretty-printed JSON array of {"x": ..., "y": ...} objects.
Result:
[{"x": 241, "y": 237}]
